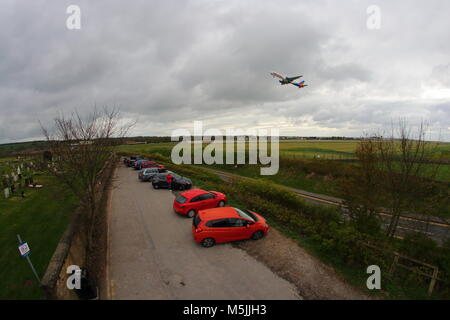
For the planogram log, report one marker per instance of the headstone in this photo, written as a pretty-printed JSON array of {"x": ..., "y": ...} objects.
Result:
[
  {"x": 18, "y": 170},
  {"x": 6, "y": 193}
]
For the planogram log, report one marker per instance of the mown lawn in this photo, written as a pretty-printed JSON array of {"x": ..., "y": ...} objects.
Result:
[{"x": 40, "y": 218}]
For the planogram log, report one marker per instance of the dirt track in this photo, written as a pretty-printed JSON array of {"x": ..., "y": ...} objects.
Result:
[{"x": 152, "y": 254}]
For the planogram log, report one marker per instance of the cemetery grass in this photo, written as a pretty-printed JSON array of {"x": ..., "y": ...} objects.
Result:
[{"x": 40, "y": 218}]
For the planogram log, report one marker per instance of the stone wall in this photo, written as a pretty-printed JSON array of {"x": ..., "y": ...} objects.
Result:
[{"x": 72, "y": 249}]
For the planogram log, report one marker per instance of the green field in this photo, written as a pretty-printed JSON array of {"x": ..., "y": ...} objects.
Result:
[
  {"x": 297, "y": 148},
  {"x": 7, "y": 148},
  {"x": 40, "y": 218},
  {"x": 310, "y": 174}
]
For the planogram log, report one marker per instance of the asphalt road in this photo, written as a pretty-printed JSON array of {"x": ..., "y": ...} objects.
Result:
[{"x": 152, "y": 254}]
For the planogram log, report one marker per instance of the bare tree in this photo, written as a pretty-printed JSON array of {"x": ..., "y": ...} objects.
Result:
[
  {"x": 409, "y": 166},
  {"x": 80, "y": 147},
  {"x": 396, "y": 172}
]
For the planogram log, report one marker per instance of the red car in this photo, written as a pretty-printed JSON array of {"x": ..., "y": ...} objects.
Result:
[
  {"x": 190, "y": 202},
  {"x": 151, "y": 164},
  {"x": 218, "y": 225}
]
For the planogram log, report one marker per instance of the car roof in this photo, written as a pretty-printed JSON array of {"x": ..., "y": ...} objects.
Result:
[
  {"x": 193, "y": 193},
  {"x": 218, "y": 213}
]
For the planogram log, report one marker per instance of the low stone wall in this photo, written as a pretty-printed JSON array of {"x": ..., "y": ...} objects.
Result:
[{"x": 72, "y": 249}]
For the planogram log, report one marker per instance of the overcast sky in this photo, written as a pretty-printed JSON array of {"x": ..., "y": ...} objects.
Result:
[{"x": 168, "y": 63}]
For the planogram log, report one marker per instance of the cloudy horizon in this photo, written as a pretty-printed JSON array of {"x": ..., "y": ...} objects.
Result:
[{"x": 170, "y": 63}]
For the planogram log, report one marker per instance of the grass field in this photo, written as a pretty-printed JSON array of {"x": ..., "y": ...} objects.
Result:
[
  {"x": 40, "y": 218},
  {"x": 296, "y": 150}
]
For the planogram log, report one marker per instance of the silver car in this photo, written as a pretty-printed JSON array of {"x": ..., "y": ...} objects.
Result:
[{"x": 148, "y": 173}]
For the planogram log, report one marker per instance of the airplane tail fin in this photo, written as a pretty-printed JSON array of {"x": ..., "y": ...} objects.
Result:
[{"x": 300, "y": 84}]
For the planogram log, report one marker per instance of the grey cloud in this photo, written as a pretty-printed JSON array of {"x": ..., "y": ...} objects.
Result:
[{"x": 170, "y": 63}]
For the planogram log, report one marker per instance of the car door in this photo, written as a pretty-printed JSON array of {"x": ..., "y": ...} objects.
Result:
[
  {"x": 220, "y": 230},
  {"x": 162, "y": 181},
  {"x": 201, "y": 202},
  {"x": 240, "y": 229},
  {"x": 208, "y": 201},
  {"x": 195, "y": 203},
  {"x": 151, "y": 173}
]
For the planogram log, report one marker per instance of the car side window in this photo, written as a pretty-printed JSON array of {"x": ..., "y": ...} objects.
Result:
[
  {"x": 204, "y": 197},
  {"x": 207, "y": 196},
  {"x": 235, "y": 222},
  {"x": 220, "y": 223},
  {"x": 196, "y": 199}
]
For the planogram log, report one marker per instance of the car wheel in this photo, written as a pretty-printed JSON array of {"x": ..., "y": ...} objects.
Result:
[
  {"x": 208, "y": 242},
  {"x": 191, "y": 213},
  {"x": 221, "y": 203},
  {"x": 257, "y": 235},
  {"x": 155, "y": 186}
]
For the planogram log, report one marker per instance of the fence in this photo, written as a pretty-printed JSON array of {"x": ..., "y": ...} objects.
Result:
[{"x": 410, "y": 264}]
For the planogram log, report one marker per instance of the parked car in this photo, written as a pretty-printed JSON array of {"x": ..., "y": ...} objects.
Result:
[
  {"x": 132, "y": 160},
  {"x": 179, "y": 183},
  {"x": 226, "y": 224},
  {"x": 137, "y": 163},
  {"x": 150, "y": 164},
  {"x": 147, "y": 174},
  {"x": 190, "y": 202}
]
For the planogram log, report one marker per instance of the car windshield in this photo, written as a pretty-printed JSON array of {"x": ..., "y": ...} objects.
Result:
[
  {"x": 180, "y": 199},
  {"x": 175, "y": 176},
  {"x": 246, "y": 214},
  {"x": 196, "y": 221}
]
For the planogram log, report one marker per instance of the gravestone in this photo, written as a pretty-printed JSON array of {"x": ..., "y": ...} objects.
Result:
[{"x": 6, "y": 193}]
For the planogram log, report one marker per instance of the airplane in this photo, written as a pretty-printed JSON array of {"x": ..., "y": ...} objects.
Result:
[
  {"x": 284, "y": 80},
  {"x": 300, "y": 84}
]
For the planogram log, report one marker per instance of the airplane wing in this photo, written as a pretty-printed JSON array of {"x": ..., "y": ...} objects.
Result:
[
  {"x": 274, "y": 74},
  {"x": 293, "y": 78}
]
